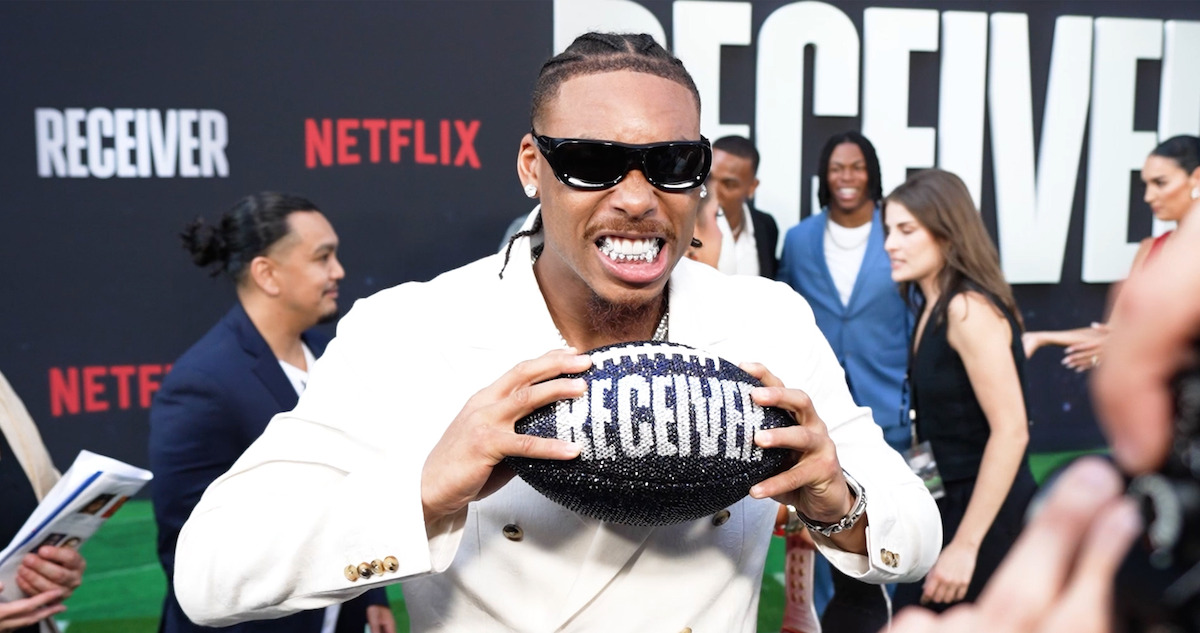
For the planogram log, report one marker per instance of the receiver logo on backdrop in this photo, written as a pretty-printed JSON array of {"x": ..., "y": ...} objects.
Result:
[
  {"x": 330, "y": 142},
  {"x": 131, "y": 143}
]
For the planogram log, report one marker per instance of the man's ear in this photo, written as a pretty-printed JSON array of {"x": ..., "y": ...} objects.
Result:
[
  {"x": 262, "y": 275},
  {"x": 527, "y": 162},
  {"x": 753, "y": 188}
]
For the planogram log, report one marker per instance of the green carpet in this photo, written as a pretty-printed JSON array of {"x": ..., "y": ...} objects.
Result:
[{"x": 124, "y": 586}]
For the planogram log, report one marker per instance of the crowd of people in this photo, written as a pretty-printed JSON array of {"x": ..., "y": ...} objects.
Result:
[{"x": 287, "y": 492}]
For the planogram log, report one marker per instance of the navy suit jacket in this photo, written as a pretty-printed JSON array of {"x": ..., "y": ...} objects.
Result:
[
  {"x": 216, "y": 400},
  {"x": 870, "y": 335},
  {"x": 766, "y": 236}
]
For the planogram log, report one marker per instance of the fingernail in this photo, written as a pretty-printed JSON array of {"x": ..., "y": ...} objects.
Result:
[
  {"x": 756, "y": 492},
  {"x": 762, "y": 438},
  {"x": 1128, "y": 521},
  {"x": 1096, "y": 477}
]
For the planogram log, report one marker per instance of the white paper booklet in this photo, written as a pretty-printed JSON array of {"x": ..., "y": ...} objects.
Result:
[{"x": 91, "y": 490}]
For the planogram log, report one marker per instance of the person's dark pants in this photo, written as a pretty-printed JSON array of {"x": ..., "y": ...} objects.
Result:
[{"x": 856, "y": 607}]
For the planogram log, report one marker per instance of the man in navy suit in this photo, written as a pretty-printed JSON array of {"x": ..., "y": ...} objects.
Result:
[{"x": 281, "y": 253}]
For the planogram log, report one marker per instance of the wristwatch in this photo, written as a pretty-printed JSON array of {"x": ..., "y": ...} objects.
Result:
[{"x": 847, "y": 522}]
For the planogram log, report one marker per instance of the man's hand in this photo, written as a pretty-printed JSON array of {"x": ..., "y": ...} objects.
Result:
[
  {"x": 462, "y": 467},
  {"x": 51, "y": 569},
  {"x": 1059, "y": 575},
  {"x": 814, "y": 484},
  {"x": 380, "y": 619}
]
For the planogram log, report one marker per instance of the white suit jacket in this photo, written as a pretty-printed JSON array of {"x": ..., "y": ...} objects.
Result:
[{"x": 336, "y": 482}]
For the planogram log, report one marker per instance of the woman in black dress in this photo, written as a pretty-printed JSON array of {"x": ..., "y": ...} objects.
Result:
[{"x": 966, "y": 375}]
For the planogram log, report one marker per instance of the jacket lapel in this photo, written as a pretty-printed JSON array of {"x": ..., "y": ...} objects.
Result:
[
  {"x": 518, "y": 321},
  {"x": 264, "y": 364},
  {"x": 696, "y": 322},
  {"x": 524, "y": 329},
  {"x": 870, "y": 259},
  {"x": 828, "y": 289},
  {"x": 696, "y": 319}
]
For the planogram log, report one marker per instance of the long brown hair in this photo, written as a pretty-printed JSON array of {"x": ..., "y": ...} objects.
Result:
[{"x": 942, "y": 204}]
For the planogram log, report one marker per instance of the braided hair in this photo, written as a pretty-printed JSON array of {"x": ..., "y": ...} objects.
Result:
[
  {"x": 595, "y": 53},
  {"x": 246, "y": 231}
]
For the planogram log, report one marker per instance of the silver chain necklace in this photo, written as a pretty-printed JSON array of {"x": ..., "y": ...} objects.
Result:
[{"x": 660, "y": 332}]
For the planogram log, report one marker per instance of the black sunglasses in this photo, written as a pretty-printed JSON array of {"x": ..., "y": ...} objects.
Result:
[{"x": 594, "y": 165}]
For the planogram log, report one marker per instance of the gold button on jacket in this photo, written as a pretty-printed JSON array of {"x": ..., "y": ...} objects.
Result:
[
  {"x": 720, "y": 518},
  {"x": 513, "y": 532},
  {"x": 351, "y": 573},
  {"x": 391, "y": 564},
  {"x": 364, "y": 570}
]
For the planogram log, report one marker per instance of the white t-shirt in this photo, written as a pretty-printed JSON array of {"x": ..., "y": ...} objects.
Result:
[
  {"x": 844, "y": 250},
  {"x": 299, "y": 379},
  {"x": 740, "y": 256}
]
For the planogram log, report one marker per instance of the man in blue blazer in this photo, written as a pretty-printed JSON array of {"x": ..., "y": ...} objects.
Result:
[
  {"x": 836, "y": 261},
  {"x": 282, "y": 254}
]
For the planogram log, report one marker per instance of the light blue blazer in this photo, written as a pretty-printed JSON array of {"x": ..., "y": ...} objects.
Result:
[{"x": 870, "y": 336}]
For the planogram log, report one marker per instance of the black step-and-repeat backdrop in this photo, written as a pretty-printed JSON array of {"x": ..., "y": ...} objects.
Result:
[{"x": 123, "y": 121}]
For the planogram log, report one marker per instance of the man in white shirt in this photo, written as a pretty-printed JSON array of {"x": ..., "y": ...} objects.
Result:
[
  {"x": 391, "y": 467},
  {"x": 749, "y": 236}
]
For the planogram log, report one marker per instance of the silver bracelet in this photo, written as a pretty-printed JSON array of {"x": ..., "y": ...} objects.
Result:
[{"x": 848, "y": 521}]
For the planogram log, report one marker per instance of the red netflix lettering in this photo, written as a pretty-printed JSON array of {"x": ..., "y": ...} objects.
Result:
[
  {"x": 318, "y": 143},
  {"x": 146, "y": 386},
  {"x": 466, "y": 149},
  {"x": 98, "y": 388},
  {"x": 92, "y": 388},
  {"x": 398, "y": 140},
  {"x": 419, "y": 151},
  {"x": 64, "y": 391},
  {"x": 346, "y": 142},
  {"x": 445, "y": 138},
  {"x": 375, "y": 126},
  {"x": 122, "y": 374},
  {"x": 329, "y": 142}
]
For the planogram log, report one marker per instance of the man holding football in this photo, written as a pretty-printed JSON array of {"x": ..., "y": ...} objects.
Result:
[{"x": 391, "y": 466}]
